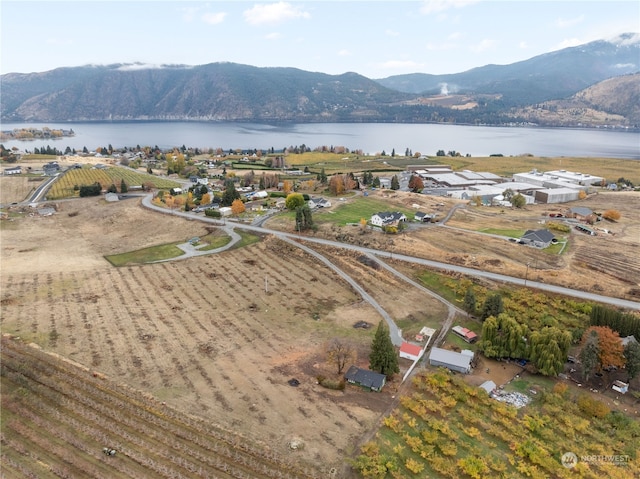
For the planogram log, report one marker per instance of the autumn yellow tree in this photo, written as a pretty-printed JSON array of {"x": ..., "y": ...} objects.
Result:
[
  {"x": 237, "y": 207},
  {"x": 206, "y": 199},
  {"x": 610, "y": 351},
  {"x": 287, "y": 186},
  {"x": 336, "y": 185},
  {"x": 611, "y": 215}
]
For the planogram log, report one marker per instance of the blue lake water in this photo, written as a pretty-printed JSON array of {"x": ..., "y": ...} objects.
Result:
[{"x": 371, "y": 138}]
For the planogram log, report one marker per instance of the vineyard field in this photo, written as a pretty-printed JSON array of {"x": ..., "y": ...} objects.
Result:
[
  {"x": 59, "y": 418},
  {"x": 448, "y": 428},
  {"x": 67, "y": 184}
]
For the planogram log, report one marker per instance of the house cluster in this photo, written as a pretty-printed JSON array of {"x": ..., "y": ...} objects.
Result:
[{"x": 558, "y": 186}]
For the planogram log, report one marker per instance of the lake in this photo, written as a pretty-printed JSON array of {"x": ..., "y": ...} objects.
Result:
[{"x": 371, "y": 138}]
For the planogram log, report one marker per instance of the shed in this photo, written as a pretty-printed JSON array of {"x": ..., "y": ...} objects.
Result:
[
  {"x": 365, "y": 378},
  {"x": 466, "y": 334},
  {"x": 620, "y": 387},
  {"x": 450, "y": 359},
  {"x": 488, "y": 386},
  {"x": 411, "y": 351}
]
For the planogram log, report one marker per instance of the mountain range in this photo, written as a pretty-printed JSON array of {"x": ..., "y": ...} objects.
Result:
[{"x": 601, "y": 79}]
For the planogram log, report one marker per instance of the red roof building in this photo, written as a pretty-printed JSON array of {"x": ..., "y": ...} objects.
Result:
[
  {"x": 466, "y": 334},
  {"x": 411, "y": 351}
]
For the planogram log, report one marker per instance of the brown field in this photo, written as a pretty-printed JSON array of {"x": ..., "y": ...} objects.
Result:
[
  {"x": 17, "y": 188},
  {"x": 210, "y": 337},
  {"x": 201, "y": 334}
]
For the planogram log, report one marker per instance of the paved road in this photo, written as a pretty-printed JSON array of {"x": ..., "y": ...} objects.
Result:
[{"x": 623, "y": 303}]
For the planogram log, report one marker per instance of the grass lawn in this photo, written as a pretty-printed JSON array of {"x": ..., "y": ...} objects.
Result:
[
  {"x": 351, "y": 211},
  {"x": 146, "y": 255}
]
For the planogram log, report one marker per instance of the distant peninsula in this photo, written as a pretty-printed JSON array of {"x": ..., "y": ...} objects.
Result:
[{"x": 26, "y": 134}]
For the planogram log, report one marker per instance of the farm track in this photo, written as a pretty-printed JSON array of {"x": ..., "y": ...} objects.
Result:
[{"x": 61, "y": 404}]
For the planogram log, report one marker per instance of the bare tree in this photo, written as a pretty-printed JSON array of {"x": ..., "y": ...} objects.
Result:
[{"x": 340, "y": 352}]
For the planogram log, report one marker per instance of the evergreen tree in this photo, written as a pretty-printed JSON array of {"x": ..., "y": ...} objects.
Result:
[
  {"x": 123, "y": 186},
  {"x": 112, "y": 189},
  {"x": 492, "y": 306},
  {"x": 470, "y": 301},
  {"x": 230, "y": 194},
  {"x": 375, "y": 182},
  {"x": 395, "y": 183},
  {"x": 383, "y": 357},
  {"x": 632, "y": 357},
  {"x": 589, "y": 355}
]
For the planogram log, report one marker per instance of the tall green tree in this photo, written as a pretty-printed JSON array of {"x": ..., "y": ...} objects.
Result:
[
  {"x": 123, "y": 186},
  {"x": 589, "y": 354},
  {"x": 230, "y": 193},
  {"x": 492, "y": 306},
  {"x": 383, "y": 357},
  {"x": 395, "y": 183},
  {"x": 304, "y": 218},
  {"x": 470, "y": 301},
  {"x": 632, "y": 358}
]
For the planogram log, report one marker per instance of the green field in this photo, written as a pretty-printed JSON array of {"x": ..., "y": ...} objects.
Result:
[
  {"x": 146, "y": 255},
  {"x": 352, "y": 210}
]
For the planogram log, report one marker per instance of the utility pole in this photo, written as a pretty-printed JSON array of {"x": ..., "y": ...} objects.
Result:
[{"x": 526, "y": 275}]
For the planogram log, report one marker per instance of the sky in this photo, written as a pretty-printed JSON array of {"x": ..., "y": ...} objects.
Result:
[{"x": 376, "y": 39}]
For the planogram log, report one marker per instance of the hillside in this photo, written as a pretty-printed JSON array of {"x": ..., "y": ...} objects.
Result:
[
  {"x": 615, "y": 101},
  {"x": 549, "y": 76},
  {"x": 492, "y": 94}
]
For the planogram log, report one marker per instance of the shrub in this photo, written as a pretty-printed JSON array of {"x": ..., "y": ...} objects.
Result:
[
  {"x": 338, "y": 385},
  {"x": 592, "y": 407},
  {"x": 90, "y": 190},
  {"x": 210, "y": 212}
]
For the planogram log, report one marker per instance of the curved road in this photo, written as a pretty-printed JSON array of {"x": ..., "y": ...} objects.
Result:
[{"x": 622, "y": 303}]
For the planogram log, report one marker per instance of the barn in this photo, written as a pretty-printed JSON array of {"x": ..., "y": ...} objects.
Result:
[{"x": 459, "y": 362}]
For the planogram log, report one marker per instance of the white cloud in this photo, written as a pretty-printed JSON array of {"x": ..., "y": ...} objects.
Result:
[
  {"x": 569, "y": 22},
  {"x": 391, "y": 33},
  {"x": 214, "y": 18},
  {"x": 273, "y": 13},
  {"x": 140, "y": 66},
  {"x": 455, "y": 36},
  {"x": 484, "y": 45},
  {"x": 273, "y": 36},
  {"x": 344, "y": 53},
  {"x": 437, "y": 6}
]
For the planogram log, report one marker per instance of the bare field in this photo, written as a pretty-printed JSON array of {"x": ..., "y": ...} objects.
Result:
[
  {"x": 206, "y": 335},
  {"x": 17, "y": 188}
]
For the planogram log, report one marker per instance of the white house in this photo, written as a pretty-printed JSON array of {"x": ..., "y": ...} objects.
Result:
[
  {"x": 410, "y": 351},
  {"x": 257, "y": 195},
  {"x": 16, "y": 170},
  {"x": 225, "y": 211},
  {"x": 386, "y": 218},
  {"x": 318, "y": 203}
]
